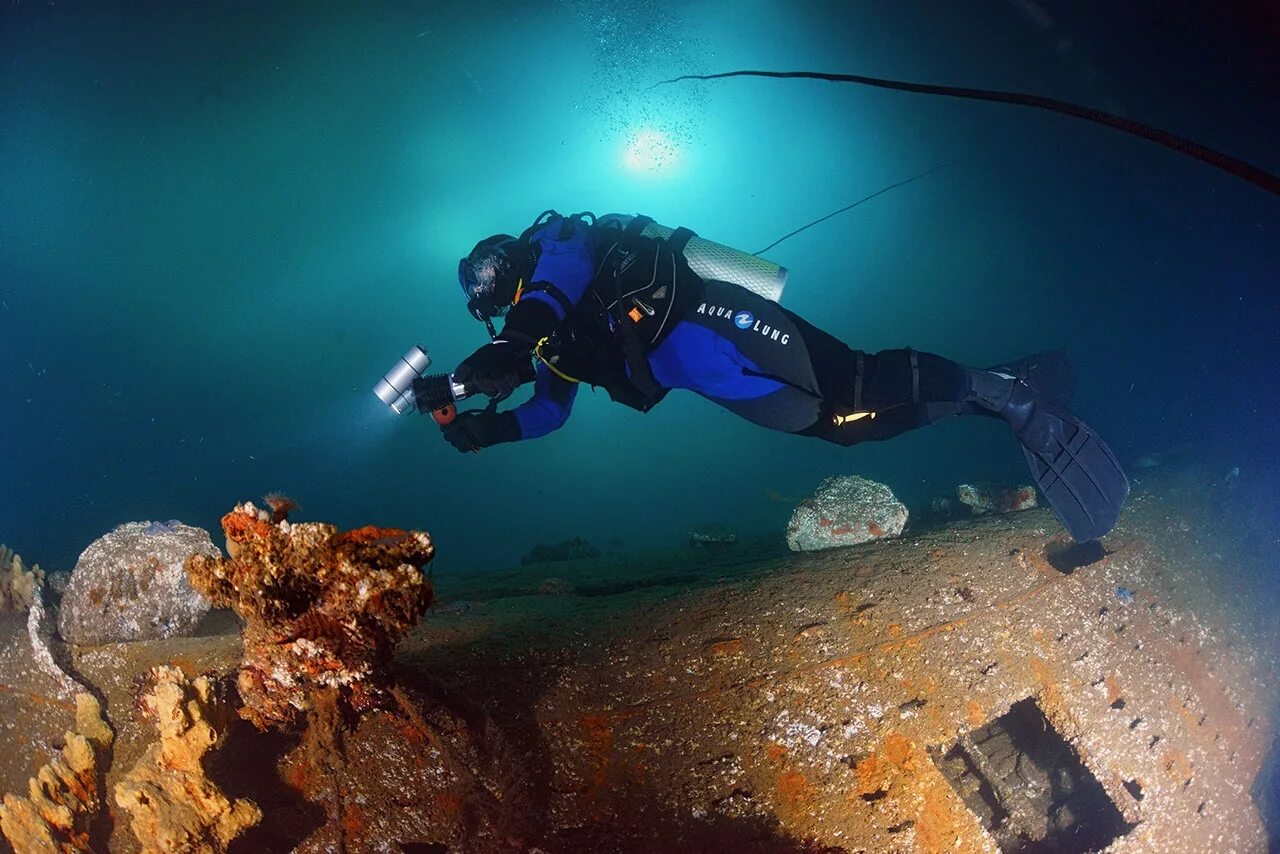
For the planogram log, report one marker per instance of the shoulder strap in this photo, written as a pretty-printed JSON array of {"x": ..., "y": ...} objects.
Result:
[
  {"x": 637, "y": 225},
  {"x": 551, "y": 291},
  {"x": 679, "y": 239}
]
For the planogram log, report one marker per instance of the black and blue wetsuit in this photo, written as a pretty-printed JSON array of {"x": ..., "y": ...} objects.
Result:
[{"x": 750, "y": 356}]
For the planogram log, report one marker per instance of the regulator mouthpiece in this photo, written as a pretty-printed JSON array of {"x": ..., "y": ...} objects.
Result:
[{"x": 395, "y": 389}]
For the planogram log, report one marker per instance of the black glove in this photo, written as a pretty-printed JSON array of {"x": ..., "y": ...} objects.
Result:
[
  {"x": 471, "y": 431},
  {"x": 495, "y": 368},
  {"x": 501, "y": 365}
]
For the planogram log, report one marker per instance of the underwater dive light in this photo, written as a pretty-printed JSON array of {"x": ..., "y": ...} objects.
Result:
[
  {"x": 395, "y": 389},
  {"x": 406, "y": 386}
]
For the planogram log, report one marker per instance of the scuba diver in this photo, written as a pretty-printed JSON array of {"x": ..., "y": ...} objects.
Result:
[{"x": 639, "y": 309}]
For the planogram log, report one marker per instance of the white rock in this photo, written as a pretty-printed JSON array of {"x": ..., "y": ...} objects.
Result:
[
  {"x": 845, "y": 511},
  {"x": 131, "y": 584}
]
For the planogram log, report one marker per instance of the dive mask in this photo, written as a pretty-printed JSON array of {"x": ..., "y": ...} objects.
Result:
[{"x": 488, "y": 276}]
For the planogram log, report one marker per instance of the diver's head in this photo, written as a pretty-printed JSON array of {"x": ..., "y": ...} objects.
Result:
[{"x": 492, "y": 274}]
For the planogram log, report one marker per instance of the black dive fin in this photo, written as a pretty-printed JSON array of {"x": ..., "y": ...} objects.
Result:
[
  {"x": 1078, "y": 474},
  {"x": 1049, "y": 374}
]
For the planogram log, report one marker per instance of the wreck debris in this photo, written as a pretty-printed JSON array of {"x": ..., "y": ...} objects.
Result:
[
  {"x": 1028, "y": 787},
  {"x": 425, "y": 773},
  {"x": 711, "y": 535},
  {"x": 130, "y": 585},
  {"x": 322, "y": 609},
  {"x": 18, "y": 584},
  {"x": 829, "y": 703},
  {"x": 40, "y": 629},
  {"x": 23, "y": 589},
  {"x": 172, "y": 805},
  {"x": 574, "y": 549},
  {"x": 63, "y": 798},
  {"x": 373, "y": 767}
]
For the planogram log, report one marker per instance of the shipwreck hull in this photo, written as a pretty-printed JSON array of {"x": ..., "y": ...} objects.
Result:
[{"x": 981, "y": 687}]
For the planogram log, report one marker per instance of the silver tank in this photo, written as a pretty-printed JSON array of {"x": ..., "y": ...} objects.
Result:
[{"x": 712, "y": 260}]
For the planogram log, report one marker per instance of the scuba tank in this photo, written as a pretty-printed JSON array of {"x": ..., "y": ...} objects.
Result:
[{"x": 712, "y": 260}]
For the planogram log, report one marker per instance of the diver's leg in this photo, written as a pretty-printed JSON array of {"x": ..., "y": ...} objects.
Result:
[
  {"x": 798, "y": 378},
  {"x": 772, "y": 367},
  {"x": 875, "y": 396}
]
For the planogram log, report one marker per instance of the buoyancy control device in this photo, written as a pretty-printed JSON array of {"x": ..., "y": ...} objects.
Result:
[{"x": 712, "y": 260}]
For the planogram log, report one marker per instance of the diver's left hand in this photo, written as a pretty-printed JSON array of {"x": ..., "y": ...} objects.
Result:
[
  {"x": 495, "y": 368},
  {"x": 471, "y": 431}
]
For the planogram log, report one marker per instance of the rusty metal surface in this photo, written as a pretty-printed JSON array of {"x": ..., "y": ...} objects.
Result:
[{"x": 804, "y": 703}]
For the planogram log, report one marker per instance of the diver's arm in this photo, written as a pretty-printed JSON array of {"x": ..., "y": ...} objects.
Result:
[
  {"x": 549, "y": 407},
  {"x": 559, "y": 279},
  {"x": 546, "y": 411}
]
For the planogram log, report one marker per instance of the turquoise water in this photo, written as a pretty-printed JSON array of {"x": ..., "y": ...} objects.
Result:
[{"x": 222, "y": 222}]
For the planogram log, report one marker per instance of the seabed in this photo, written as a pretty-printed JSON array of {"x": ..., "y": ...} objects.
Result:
[{"x": 982, "y": 686}]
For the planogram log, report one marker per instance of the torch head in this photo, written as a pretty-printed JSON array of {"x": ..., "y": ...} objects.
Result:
[{"x": 395, "y": 389}]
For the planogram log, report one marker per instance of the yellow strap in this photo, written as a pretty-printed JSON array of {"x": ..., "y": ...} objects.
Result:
[
  {"x": 537, "y": 351},
  {"x": 519, "y": 291},
  {"x": 841, "y": 420}
]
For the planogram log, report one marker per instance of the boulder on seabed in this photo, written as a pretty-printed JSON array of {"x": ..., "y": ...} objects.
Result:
[
  {"x": 131, "y": 584},
  {"x": 985, "y": 498},
  {"x": 844, "y": 511}
]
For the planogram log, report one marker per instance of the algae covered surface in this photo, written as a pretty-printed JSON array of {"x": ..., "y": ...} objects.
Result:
[{"x": 856, "y": 699}]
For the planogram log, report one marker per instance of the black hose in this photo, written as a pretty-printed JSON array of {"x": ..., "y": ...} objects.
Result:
[
  {"x": 1239, "y": 168},
  {"x": 848, "y": 207}
]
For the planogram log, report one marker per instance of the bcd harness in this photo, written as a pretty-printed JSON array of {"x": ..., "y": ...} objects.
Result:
[{"x": 641, "y": 289}]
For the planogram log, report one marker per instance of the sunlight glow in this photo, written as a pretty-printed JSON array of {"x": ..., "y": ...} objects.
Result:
[{"x": 650, "y": 150}]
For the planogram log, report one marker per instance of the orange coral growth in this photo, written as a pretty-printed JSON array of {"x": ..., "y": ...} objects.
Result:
[
  {"x": 373, "y": 534},
  {"x": 353, "y": 821},
  {"x": 1050, "y": 694},
  {"x": 598, "y": 739},
  {"x": 897, "y": 748},
  {"x": 1177, "y": 766},
  {"x": 598, "y": 731},
  {"x": 871, "y": 774},
  {"x": 322, "y": 609},
  {"x": 943, "y": 823},
  {"x": 1113, "y": 688},
  {"x": 723, "y": 646},
  {"x": 242, "y": 526},
  {"x": 794, "y": 789}
]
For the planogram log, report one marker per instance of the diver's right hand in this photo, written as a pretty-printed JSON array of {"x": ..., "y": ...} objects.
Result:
[
  {"x": 471, "y": 431},
  {"x": 494, "y": 369}
]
